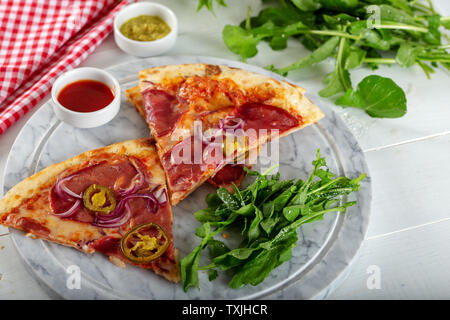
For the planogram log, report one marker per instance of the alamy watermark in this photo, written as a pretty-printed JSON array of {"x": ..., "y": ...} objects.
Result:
[
  {"x": 374, "y": 279},
  {"x": 374, "y": 16},
  {"x": 74, "y": 277}
]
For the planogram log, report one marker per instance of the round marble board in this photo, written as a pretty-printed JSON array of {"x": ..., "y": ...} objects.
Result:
[{"x": 325, "y": 249}]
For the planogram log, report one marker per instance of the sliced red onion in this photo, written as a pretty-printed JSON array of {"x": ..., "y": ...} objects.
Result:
[
  {"x": 71, "y": 193},
  {"x": 149, "y": 196},
  {"x": 116, "y": 222},
  {"x": 148, "y": 81},
  {"x": 150, "y": 200},
  {"x": 118, "y": 211},
  {"x": 59, "y": 190},
  {"x": 225, "y": 127},
  {"x": 64, "y": 192},
  {"x": 225, "y": 123},
  {"x": 150, "y": 87},
  {"x": 71, "y": 211},
  {"x": 136, "y": 183},
  {"x": 114, "y": 214}
]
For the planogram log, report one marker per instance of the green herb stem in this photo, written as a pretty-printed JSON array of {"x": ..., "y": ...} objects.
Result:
[
  {"x": 333, "y": 33},
  {"x": 400, "y": 26},
  {"x": 431, "y": 59},
  {"x": 379, "y": 60},
  {"x": 325, "y": 186},
  {"x": 208, "y": 267},
  {"x": 269, "y": 170},
  {"x": 430, "y": 3},
  {"x": 339, "y": 61},
  {"x": 417, "y": 5}
]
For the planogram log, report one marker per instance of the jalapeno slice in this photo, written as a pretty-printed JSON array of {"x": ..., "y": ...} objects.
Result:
[
  {"x": 233, "y": 144},
  {"x": 145, "y": 243},
  {"x": 99, "y": 199}
]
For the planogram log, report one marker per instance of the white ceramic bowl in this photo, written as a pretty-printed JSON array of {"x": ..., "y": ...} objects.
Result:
[
  {"x": 145, "y": 48},
  {"x": 86, "y": 119}
]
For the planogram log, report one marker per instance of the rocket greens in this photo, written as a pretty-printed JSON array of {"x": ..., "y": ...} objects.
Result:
[
  {"x": 267, "y": 214},
  {"x": 354, "y": 33}
]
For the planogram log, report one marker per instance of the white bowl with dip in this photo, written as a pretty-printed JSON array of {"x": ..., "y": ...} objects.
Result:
[
  {"x": 92, "y": 118},
  {"x": 145, "y": 48}
]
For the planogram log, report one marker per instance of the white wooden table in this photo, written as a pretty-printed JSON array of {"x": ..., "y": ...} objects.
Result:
[{"x": 408, "y": 241}]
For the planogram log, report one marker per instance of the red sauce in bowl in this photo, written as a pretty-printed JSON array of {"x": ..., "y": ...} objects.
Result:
[{"x": 85, "y": 96}]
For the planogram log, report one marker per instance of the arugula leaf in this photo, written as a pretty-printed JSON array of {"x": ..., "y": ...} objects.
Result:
[
  {"x": 320, "y": 54},
  {"x": 307, "y": 5},
  {"x": 209, "y": 4},
  {"x": 254, "y": 271},
  {"x": 216, "y": 248},
  {"x": 354, "y": 57},
  {"x": 338, "y": 19},
  {"x": 228, "y": 199},
  {"x": 445, "y": 22},
  {"x": 269, "y": 224},
  {"x": 389, "y": 13},
  {"x": 369, "y": 37},
  {"x": 339, "y": 4},
  {"x": 402, "y": 4},
  {"x": 407, "y": 54},
  {"x": 213, "y": 200},
  {"x": 335, "y": 82},
  {"x": 212, "y": 275},
  {"x": 292, "y": 212},
  {"x": 433, "y": 36},
  {"x": 189, "y": 269},
  {"x": 254, "y": 231},
  {"x": 338, "y": 80},
  {"x": 203, "y": 231},
  {"x": 233, "y": 258},
  {"x": 242, "y": 41},
  {"x": 206, "y": 215},
  {"x": 280, "y": 16},
  {"x": 380, "y": 97}
]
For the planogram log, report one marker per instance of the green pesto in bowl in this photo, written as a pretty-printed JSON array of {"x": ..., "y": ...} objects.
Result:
[{"x": 145, "y": 28}]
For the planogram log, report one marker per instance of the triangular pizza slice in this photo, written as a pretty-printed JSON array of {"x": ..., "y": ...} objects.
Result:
[
  {"x": 111, "y": 200},
  {"x": 205, "y": 116},
  {"x": 225, "y": 177}
]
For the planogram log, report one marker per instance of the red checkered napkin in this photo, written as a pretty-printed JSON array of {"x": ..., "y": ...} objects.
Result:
[{"x": 39, "y": 40}]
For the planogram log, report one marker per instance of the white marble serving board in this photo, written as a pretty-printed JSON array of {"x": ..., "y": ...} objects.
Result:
[{"x": 321, "y": 259}]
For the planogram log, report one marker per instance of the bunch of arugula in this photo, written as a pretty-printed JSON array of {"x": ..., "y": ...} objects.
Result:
[
  {"x": 267, "y": 214},
  {"x": 354, "y": 32}
]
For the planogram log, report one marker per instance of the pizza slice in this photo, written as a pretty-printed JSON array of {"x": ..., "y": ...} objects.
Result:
[
  {"x": 204, "y": 117},
  {"x": 225, "y": 177},
  {"x": 111, "y": 200}
]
